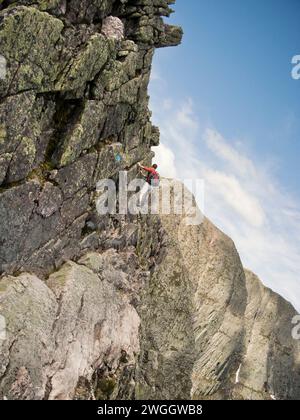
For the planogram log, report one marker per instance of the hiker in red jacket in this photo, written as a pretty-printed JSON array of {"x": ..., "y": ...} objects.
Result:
[{"x": 152, "y": 180}]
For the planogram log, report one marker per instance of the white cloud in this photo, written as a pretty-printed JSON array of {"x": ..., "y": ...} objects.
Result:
[
  {"x": 217, "y": 144},
  {"x": 232, "y": 192},
  {"x": 166, "y": 160},
  {"x": 242, "y": 196}
]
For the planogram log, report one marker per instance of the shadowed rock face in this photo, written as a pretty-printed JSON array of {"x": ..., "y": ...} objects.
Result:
[{"x": 96, "y": 307}]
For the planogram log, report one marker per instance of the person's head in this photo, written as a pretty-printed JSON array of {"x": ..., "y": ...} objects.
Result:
[{"x": 154, "y": 166}]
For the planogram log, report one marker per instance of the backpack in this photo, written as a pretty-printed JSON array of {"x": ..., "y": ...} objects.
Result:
[{"x": 154, "y": 179}]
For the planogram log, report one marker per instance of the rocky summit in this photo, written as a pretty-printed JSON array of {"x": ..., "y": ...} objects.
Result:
[{"x": 107, "y": 307}]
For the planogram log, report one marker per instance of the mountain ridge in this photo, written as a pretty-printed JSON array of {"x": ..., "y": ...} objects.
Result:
[{"x": 113, "y": 306}]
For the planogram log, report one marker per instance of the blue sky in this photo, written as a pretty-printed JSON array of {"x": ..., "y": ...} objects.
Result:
[{"x": 229, "y": 112}]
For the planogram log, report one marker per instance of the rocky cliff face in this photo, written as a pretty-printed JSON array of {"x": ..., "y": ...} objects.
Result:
[
  {"x": 112, "y": 307},
  {"x": 210, "y": 329},
  {"x": 73, "y": 99}
]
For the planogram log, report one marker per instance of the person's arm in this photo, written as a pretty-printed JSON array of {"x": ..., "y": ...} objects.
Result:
[{"x": 145, "y": 168}]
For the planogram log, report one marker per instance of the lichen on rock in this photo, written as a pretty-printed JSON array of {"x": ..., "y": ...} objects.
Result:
[{"x": 113, "y": 307}]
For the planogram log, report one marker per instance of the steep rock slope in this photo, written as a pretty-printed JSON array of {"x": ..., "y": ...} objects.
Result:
[
  {"x": 112, "y": 307},
  {"x": 209, "y": 329}
]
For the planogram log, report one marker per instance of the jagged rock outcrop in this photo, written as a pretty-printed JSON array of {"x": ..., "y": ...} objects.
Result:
[{"x": 113, "y": 306}]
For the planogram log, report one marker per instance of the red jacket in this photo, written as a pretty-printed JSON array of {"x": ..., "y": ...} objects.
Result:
[{"x": 152, "y": 174}]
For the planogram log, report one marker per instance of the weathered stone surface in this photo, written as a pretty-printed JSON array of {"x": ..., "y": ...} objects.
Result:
[
  {"x": 171, "y": 36},
  {"x": 26, "y": 126},
  {"x": 28, "y": 42},
  {"x": 41, "y": 215},
  {"x": 16, "y": 208},
  {"x": 270, "y": 366},
  {"x": 87, "y": 10},
  {"x": 169, "y": 313},
  {"x": 50, "y": 200},
  {"x": 113, "y": 28},
  {"x": 5, "y": 160},
  {"x": 210, "y": 329},
  {"x": 74, "y": 109},
  {"x": 43, "y": 4},
  {"x": 29, "y": 308},
  {"x": 76, "y": 176},
  {"x": 22, "y": 161},
  {"x": 78, "y": 323},
  {"x": 85, "y": 66},
  {"x": 15, "y": 114},
  {"x": 160, "y": 309},
  {"x": 83, "y": 135}
]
